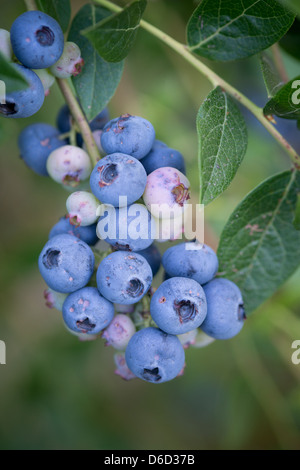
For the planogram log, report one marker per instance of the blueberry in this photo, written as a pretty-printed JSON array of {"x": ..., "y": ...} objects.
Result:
[
  {"x": 86, "y": 311},
  {"x": 54, "y": 299},
  {"x": 66, "y": 263},
  {"x": 87, "y": 234},
  {"x": 36, "y": 142},
  {"x": 70, "y": 62},
  {"x": 154, "y": 356},
  {"x": 24, "y": 103},
  {"x": 46, "y": 78},
  {"x": 166, "y": 193},
  {"x": 130, "y": 228},
  {"x": 118, "y": 175},
  {"x": 82, "y": 208},
  {"x": 122, "y": 368},
  {"x": 124, "y": 277},
  {"x": 69, "y": 165},
  {"x": 119, "y": 332},
  {"x": 169, "y": 228},
  {"x": 37, "y": 39},
  {"x": 194, "y": 260},
  {"x": 161, "y": 155},
  {"x": 225, "y": 309},
  {"x": 178, "y": 305},
  {"x": 188, "y": 339},
  {"x": 5, "y": 44},
  {"x": 128, "y": 134},
  {"x": 152, "y": 255}
]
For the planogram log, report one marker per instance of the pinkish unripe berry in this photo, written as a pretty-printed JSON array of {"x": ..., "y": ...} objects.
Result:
[
  {"x": 82, "y": 208},
  {"x": 119, "y": 332},
  {"x": 69, "y": 165},
  {"x": 70, "y": 62}
]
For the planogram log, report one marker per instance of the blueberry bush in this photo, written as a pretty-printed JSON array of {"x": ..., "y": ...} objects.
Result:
[
  {"x": 203, "y": 296},
  {"x": 106, "y": 289}
]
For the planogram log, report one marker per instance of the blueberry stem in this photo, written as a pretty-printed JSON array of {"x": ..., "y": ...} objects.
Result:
[
  {"x": 80, "y": 120},
  {"x": 216, "y": 80},
  {"x": 75, "y": 109}
]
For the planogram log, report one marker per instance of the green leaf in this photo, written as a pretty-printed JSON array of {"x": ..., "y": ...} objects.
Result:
[
  {"x": 294, "y": 5},
  {"x": 260, "y": 247},
  {"x": 229, "y": 30},
  {"x": 296, "y": 221},
  {"x": 113, "y": 37},
  {"x": 286, "y": 102},
  {"x": 271, "y": 76},
  {"x": 290, "y": 42},
  {"x": 60, "y": 10},
  {"x": 99, "y": 79},
  {"x": 223, "y": 139},
  {"x": 9, "y": 74}
]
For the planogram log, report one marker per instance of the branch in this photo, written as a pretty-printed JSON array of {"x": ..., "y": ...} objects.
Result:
[
  {"x": 79, "y": 117},
  {"x": 215, "y": 80}
]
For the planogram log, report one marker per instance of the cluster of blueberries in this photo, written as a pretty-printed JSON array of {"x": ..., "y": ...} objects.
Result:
[
  {"x": 36, "y": 41},
  {"x": 104, "y": 288}
]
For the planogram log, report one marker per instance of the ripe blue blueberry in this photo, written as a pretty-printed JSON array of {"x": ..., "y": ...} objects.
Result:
[
  {"x": 178, "y": 305},
  {"x": 161, "y": 155},
  {"x": 225, "y": 309},
  {"x": 87, "y": 234},
  {"x": 69, "y": 165},
  {"x": 24, "y": 103},
  {"x": 124, "y": 277},
  {"x": 37, "y": 39},
  {"x": 128, "y": 134},
  {"x": 66, "y": 263},
  {"x": 119, "y": 332},
  {"x": 86, "y": 311},
  {"x": 194, "y": 260},
  {"x": 36, "y": 142},
  {"x": 129, "y": 228},
  {"x": 166, "y": 193},
  {"x": 118, "y": 175},
  {"x": 154, "y": 356},
  {"x": 152, "y": 255}
]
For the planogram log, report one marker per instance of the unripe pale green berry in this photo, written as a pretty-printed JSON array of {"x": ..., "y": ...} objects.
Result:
[
  {"x": 46, "y": 78},
  {"x": 70, "y": 62},
  {"x": 82, "y": 208},
  {"x": 69, "y": 165}
]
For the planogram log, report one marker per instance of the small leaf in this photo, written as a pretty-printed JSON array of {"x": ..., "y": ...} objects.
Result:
[
  {"x": 12, "y": 78},
  {"x": 229, "y": 30},
  {"x": 114, "y": 36},
  {"x": 296, "y": 221},
  {"x": 99, "y": 79},
  {"x": 259, "y": 247},
  {"x": 270, "y": 74},
  {"x": 290, "y": 42},
  {"x": 60, "y": 10},
  {"x": 222, "y": 137},
  {"x": 286, "y": 102}
]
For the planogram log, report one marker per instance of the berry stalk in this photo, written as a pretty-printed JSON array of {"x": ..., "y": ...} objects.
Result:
[
  {"x": 216, "y": 80},
  {"x": 75, "y": 109}
]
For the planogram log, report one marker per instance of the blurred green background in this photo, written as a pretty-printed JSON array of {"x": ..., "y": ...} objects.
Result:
[{"x": 57, "y": 392}]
